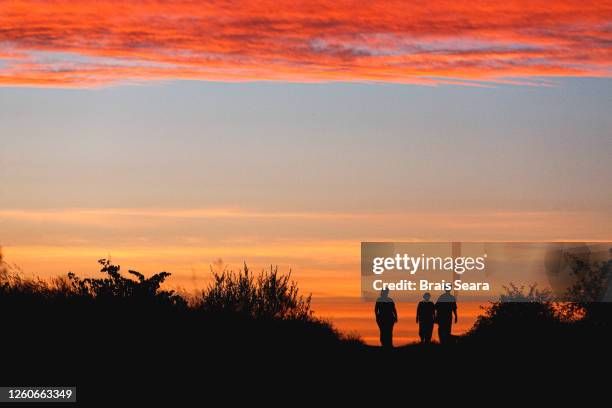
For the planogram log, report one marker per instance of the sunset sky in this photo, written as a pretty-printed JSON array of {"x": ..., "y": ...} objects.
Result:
[{"x": 171, "y": 134}]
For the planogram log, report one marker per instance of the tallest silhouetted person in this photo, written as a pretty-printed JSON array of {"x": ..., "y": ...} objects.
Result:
[
  {"x": 446, "y": 307},
  {"x": 386, "y": 317}
]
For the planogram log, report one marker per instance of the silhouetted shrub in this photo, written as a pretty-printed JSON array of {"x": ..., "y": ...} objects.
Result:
[
  {"x": 589, "y": 297},
  {"x": 520, "y": 313},
  {"x": 268, "y": 295},
  {"x": 116, "y": 286},
  {"x": 138, "y": 309}
]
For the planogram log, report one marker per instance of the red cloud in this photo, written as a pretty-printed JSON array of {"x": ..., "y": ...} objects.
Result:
[{"x": 92, "y": 43}]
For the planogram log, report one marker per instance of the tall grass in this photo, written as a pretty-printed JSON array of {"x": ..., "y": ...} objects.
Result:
[
  {"x": 233, "y": 301},
  {"x": 267, "y": 295}
]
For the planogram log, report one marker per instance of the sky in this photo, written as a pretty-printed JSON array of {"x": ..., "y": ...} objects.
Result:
[
  {"x": 169, "y": 135},
  {"x": 89, "y": 43}
]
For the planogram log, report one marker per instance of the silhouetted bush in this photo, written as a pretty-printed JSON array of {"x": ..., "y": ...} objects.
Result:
[
  {"x": 117, "y": 287},
  {"x": 520, "y": 313},
  {"x": 589, "y": 297},
  {"x": 269, "y": 295}
]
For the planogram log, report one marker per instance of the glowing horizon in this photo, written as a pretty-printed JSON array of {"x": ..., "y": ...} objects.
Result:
[
  {"x": 327, "y": 268},
  {"x": 188, "y": 241}
]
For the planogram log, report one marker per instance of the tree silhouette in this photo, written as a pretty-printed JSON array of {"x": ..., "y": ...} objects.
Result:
[{"x": 586, "y": 297}]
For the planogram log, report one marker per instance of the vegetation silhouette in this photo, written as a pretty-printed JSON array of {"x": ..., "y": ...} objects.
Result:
[
  {"x": 269, "y": 295},
  {"x": 520, "y": 314},
  {"x": 537, "y": 319},
  {"x": 590, "y": 296},
  {"x": 122, "y": 329},
  {"x": 129, "y": 330}
]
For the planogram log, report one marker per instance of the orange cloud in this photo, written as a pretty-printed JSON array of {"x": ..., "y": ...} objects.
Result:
[{"x": 93, "y": 43}]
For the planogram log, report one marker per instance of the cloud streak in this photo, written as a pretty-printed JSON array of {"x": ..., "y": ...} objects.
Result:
[
  {"x": 198, "y": 227},
  {"x": 96, "y": 43}
]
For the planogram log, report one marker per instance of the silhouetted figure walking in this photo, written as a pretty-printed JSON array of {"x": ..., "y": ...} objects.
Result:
[
  {"x": 386, "y": 317},
  {"x": 425, "y": 315},
  {"x": 446, "y": 306}
]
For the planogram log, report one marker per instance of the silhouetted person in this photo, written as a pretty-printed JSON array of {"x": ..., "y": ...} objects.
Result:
[
  {"x": 386, "y": 317},
  {"x": 446, "y": 306},
  {"x": 425, "y": 316}
]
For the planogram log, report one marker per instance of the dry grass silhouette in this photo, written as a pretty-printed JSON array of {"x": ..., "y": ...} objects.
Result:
[{"x": 128, "y": 329}]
